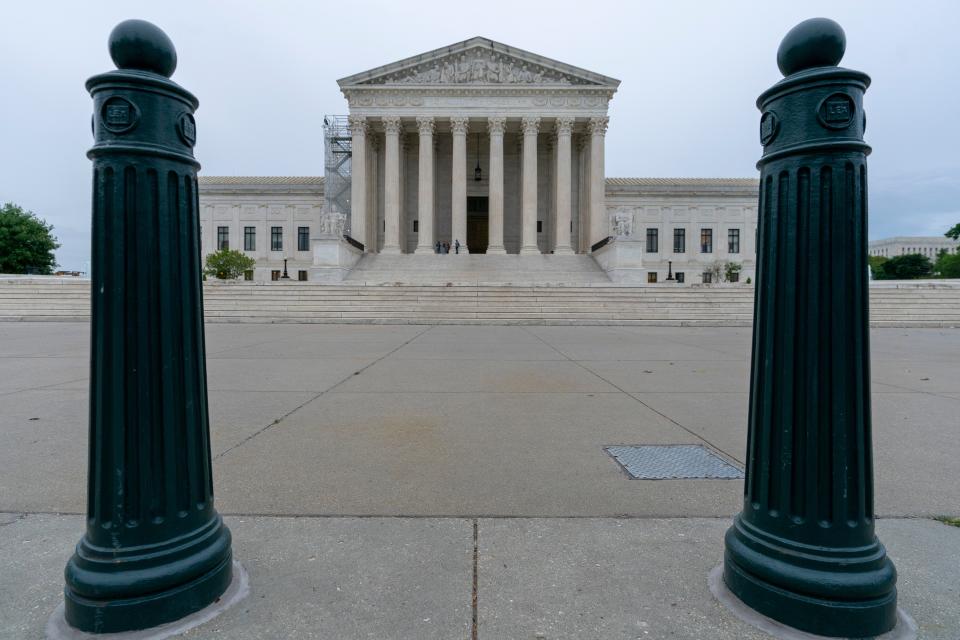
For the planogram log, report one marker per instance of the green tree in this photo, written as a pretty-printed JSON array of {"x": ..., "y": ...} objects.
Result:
[
  {"x": 730, "y": 269},
  {"x": 228, "y": 264},
  {"x": 26, "y": 242},
  {"x": 908, "y": 267},
  {"x": 876, "y": 267},
  {"x": 954, "y": 232},
  {"x": 947, "y": 265}
]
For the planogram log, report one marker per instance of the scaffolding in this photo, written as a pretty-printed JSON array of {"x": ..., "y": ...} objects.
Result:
[{"x": 337, "y": 153}]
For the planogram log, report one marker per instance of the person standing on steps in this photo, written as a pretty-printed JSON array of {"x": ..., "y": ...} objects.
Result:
[
  {"x": 438, "y": 248},
  {"x": 456, "y": 247}
]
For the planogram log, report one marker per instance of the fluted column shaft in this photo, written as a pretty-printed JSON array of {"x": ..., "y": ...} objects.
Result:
[
  {"x": 528, "y": 206},
  {"x": 496, "y": 127},
  {"x": 599, "y": 225},
  {"x": 358, "y": 179},
  {"x": 391, "y": 182},
  {"x": 425, "y": 126},
  {"x": 564, "y": 187},
  {"x": 803, "y": 550},
  {"x": 458, "y": 126}
]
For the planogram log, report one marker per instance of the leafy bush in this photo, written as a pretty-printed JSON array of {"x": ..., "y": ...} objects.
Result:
[
  {"x": 908, "y": 267},
  {"x": 26, "y": 242},
  {"x": 228, "y": 264}
]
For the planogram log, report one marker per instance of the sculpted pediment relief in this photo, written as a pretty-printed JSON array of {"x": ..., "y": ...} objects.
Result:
[
  {"x": 478, "y": 66},
  {"x": 478, "y": 62}
]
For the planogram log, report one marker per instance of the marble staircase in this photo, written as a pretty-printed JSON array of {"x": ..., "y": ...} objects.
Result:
[
  {"x": 68, "y": 299},
  {"x": 476, "y": 269}
]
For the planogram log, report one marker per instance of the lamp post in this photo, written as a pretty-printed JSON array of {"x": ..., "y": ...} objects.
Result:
[
  {"x": 803, "y": 549},
  {"x": 155, "y": 549},
  {"x": 670, "y": 270},
  {"x": 285, "y": 276}
]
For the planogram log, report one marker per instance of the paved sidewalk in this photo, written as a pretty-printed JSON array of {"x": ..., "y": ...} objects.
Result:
[
  {"x": 430, "y": 434},
  {"x": 412, "y": 578}
]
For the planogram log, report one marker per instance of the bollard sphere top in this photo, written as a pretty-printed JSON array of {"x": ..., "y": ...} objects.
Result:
[
  {"x": 142, "y": 45},
  {"x": 817, "y": 42}
]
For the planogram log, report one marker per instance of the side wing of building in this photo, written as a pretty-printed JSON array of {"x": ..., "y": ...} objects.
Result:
[{"x": 268, "y": 218}]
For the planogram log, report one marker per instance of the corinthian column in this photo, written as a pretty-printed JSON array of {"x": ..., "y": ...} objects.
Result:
[
  {"x": 530, "y": 126},
  {"x": 564, "y": 188},
  {"x": 425, "y": 125},
  {"x": 358, "y": 183},
  {"x": 459, "y": 208},
  {"x": 496, "y": 128},
  {"x": 599, "y": 227},
  {"x": 391, "y": 183}
]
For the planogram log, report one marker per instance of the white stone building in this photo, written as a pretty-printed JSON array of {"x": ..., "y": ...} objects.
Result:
[
  {"x": 498, "y": 149},
  {"x": 929, "y": 246}
]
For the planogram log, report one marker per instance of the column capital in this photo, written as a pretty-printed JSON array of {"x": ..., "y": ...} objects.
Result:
[
  {"x": 426, "y": 125},
  {"x": 598, "y": 125},
  {"x": 358, "y": 125},
  {"x": 496, "y": 125},
  {"x": 459, "y": 125},
  {"x": 530, "y": 125},
  {"x": 564, "y": 126},
  {"x": 391, "y": 125}
]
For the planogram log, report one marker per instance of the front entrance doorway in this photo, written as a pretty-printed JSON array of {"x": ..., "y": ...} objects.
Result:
[{"x": 478, "y": 221}]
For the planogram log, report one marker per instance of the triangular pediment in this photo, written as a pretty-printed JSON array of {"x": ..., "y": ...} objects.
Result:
[{"x": 478, "y": 61}]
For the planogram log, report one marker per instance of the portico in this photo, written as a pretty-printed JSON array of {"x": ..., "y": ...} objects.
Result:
[{"x": 483, "y": 123}]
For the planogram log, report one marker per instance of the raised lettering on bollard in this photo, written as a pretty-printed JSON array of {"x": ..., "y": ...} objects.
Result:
[
  {"x": 155, "y": 549},
  {"x": 803, "y": 551}
]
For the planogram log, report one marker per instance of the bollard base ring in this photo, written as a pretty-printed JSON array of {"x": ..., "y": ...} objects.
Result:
[
  {"x": 239, "y": 588},
  {"x": 905, "y": 629}
]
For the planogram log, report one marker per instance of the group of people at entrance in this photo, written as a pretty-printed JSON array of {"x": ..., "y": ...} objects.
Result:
[{"x": 444, "y": 247}]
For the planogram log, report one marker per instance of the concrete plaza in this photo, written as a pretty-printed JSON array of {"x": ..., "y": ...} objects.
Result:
[{"x": 449, "y": 481}]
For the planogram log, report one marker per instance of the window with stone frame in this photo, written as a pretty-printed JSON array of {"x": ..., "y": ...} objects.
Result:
[
  {"x": 249, "y": 238},
  {"x": 707, "y": 277},
  {"x": 276, "y": 238},
  {"x": 275, "y": 274},
  {"x": 679, "y": 276},
  {"x": 706, "y": 240},
  {"x": 303, "y": 238},
  {"x": 223, "y": 238},
  {"x": 733, "y": 240},
  {"x": 679, "y": 240},
  {"x": 653, "y": 240},
  {"x": 248, "y": 274},
  {"x": 651, "y": 276},
  {"x": 302, "y": 275}
]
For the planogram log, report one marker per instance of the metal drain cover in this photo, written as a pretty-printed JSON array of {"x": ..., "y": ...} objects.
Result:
[{"x": 661, "y": 462}]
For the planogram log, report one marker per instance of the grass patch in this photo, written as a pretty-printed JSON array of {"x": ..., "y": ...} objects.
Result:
[{"x": 953, "y": 522}]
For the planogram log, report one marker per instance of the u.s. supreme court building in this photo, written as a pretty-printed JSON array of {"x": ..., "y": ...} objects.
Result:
[{"x": 493, "y": 148}]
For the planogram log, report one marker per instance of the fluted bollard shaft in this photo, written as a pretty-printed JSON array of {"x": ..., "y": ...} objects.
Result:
[
  {"x": 803, "y": 550},
  {"x": 155, "y": 549}
]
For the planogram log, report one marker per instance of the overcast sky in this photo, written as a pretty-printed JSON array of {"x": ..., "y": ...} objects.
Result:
[{"x": 266, "y": 72}]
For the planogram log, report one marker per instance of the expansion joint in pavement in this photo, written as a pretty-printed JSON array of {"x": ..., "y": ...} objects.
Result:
[{"x": 322, "y": 393}]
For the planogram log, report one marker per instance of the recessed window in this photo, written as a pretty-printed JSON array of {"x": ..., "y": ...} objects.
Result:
[
  {"x": 679, "y": 240},
  {"x": 706, "y": 240},
  {"x": 249, "y": 238},
  {"x": 276, "y": 238},
  {"x": 707, "y": 277},
  {"x": 734, "y": 276},
  {"x": 303, "y": 238},
  {"x": 679, "y": 276},
  {"x": 275, "y": 274},
  {"x": 248, "y": 274},
  {"x": 302, "y": 275},
  {"x": 653, "y": 240},
  {"x": 651, "y": 276},
  {"x": 223, "y": 238},
  {"x": 733, "y": 240}
]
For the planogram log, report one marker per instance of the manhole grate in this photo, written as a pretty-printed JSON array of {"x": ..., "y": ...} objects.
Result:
[{"x": 661, "y": 462}]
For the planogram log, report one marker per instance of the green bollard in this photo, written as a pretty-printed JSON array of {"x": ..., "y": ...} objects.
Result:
[
  {"x": 155, "y": 549},
  {"x": 803, "y": 551}
]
